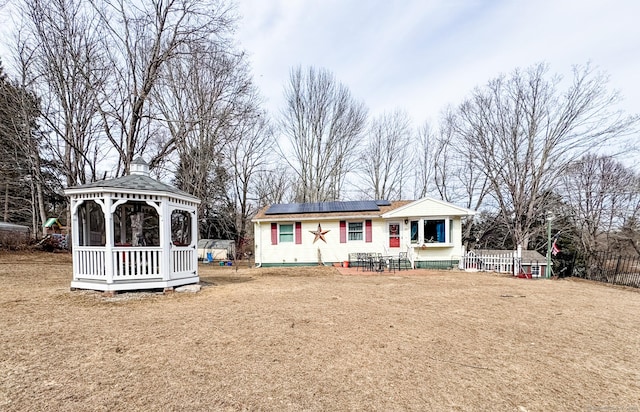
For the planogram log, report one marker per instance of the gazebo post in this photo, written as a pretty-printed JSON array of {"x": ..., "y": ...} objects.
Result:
[
  {"x": 108, "y": 243},
  {"x": 75, "y": 234},
  {"x": 165, "y": 239},
  {"x": 195, "y": 235}
]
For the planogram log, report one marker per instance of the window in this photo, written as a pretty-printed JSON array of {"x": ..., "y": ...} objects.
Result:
[
  {"x": 286, "y": 233},
  {"x": 355, "y": 231},
  {"x": 414, "y": 231},
  {"x": 535, "y": 270},
  {"x": 434, "y": 231}
]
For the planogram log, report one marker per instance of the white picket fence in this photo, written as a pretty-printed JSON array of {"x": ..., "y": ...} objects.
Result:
[{"x": 504, "y": 263}]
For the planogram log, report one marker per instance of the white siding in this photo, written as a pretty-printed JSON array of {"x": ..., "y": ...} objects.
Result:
[
  {"x": 307, "y": 251},
  {"x": 428, "y": 207}
]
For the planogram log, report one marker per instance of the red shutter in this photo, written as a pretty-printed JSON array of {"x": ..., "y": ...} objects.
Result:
[
  {"x": 274, "y": 233},
  {"x": 367, "y": 231},
  {"x": 343, "y": 231},
  {"x": 298, "y": 233}
]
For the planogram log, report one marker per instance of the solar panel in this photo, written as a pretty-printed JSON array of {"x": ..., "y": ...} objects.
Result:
[{"x": 326, "y": 207}]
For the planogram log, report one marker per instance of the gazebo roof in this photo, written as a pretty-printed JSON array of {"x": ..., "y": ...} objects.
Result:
[
  {"x": 133, "y": 182},
  {"x": 137, "y": 181}
]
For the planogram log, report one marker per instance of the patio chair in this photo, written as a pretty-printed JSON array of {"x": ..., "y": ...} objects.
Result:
[
  {"x": 370, "y": 259},
  {"x": 398, "y": 262},
  {"x": 378, "y": 263},
  {"x": 403, "y": 257},
  {"x": 360, "y": 259}
]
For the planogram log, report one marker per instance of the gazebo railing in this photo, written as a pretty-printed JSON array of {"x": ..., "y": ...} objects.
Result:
[
  {"x": 183, "y": 261},
  {"x": 136, "y": 262},
  {"x": 89, "y": 263},
  {"x": 132, "y": 263}
]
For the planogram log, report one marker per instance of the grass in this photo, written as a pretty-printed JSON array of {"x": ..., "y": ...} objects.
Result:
[{"x": 314, "y": 339}]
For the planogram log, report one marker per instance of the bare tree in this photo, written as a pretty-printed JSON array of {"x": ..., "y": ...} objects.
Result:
[
  {"x": 444, "y": 169},
  {"x": 523, "y": 131},
  {"x": 21, "y": 177},
  {"x": 248, "y": 155},
  {"x": 273, "y": 186},
  {"x": 210, "y": 105},
  {"x": 436, "y": 164},
  {"x": 58, "y": 55},
  {"x": 323, "y": 125},
  {"x": 205, "y": 98},
  {"x": 384, "y": 160},
  {"x": 141, "y": 39},
  {"x": 423, "y": 160},
  {"x": 458, "y": 178},
  {"x": 603, "y": 196}
]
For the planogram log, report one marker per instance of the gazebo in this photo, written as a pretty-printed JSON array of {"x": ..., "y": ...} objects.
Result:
[{"x": 133, "y": 232}]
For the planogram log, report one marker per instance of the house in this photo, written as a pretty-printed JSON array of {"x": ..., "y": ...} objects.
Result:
[{"x": 296, "y": 234}]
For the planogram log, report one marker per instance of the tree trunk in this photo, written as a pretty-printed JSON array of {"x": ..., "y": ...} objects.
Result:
[{"x": 6, "y": 202}]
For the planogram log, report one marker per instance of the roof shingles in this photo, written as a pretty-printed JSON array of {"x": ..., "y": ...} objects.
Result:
[{"x": 134, "y": 182}]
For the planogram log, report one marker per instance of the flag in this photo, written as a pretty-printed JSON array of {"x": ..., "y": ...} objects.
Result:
[{"x": 554, "y": 247}]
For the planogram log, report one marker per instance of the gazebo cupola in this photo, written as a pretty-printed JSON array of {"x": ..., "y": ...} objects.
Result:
[{"x": 133, "y": 232}]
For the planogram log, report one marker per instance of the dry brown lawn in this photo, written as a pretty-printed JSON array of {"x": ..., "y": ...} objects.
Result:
[{"x": 314, "y": 339}]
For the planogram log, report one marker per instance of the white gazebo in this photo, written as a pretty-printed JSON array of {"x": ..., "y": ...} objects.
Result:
[{"x": 132, "y": 233}]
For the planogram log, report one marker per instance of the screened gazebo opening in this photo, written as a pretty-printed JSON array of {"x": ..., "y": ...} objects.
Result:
[
  {"x": 91, "y": 224},
  {"x": 181, "y": 228},
  {"x": 135, "y": 223}
]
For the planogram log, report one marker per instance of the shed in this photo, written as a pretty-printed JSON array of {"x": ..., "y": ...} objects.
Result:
[
  {"x": 13, "y": 235},
  {"x": 220, "y": 249},
  {"x": 6, "y": 227},
  {"x": 133, "y": 232}
]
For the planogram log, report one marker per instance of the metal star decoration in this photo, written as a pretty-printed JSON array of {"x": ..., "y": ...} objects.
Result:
[{"x": 319, "y": 234}]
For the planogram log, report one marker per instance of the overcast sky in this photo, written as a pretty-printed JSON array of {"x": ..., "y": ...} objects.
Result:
[{"x": 421, "y": 55}]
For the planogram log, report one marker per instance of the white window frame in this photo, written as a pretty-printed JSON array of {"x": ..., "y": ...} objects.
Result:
[
  {"x": 447, "y": 234},
  {"x": 417, "y": 222},
  {"x": 293, "y": 232},
  {"x": 448, "y": 231}
]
